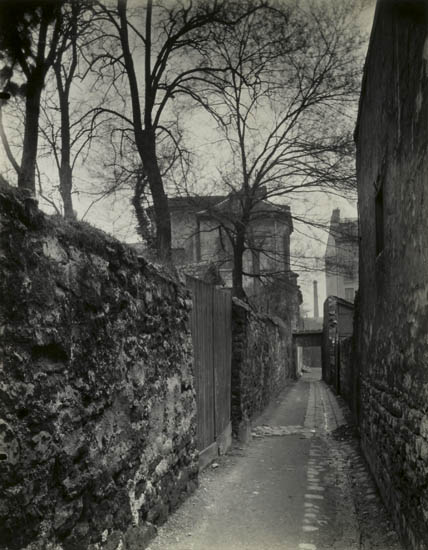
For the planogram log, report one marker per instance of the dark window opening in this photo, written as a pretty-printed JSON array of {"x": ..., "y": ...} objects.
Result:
[
  {"x": 349, "y": 294},
  {"x": 379, "y": 214}
]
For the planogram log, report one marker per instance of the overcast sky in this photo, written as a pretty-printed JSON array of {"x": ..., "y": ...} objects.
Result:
[
  {"x": 114, "y": 216},
  {"x": 322, "y": 208}
]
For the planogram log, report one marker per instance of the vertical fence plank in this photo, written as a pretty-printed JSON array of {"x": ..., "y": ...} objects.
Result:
[
  {"x": 211, "y": 325},
  {"x": 201, "y": 326},
  {"x": 222, "y": 358}
]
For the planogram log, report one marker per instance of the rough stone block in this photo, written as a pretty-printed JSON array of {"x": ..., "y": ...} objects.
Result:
[
  {"x": 95, "y": 432},
  {"x": 262, "y": 363}
]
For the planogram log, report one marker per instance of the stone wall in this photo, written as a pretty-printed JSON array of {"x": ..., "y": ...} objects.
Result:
[
  {"x": 329, "y": 351},
  {"x": 262, "y": 363},
  {"x": 392, "y": 166},
  {"x": 337, "y": 326},
  {"x": 340, "y": 368},
  {"x": 97, "y": 405},
  {"x": 348, "y": 377},
  {"x": 281, "y": 297}
]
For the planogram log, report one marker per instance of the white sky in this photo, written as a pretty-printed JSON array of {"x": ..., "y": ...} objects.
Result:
[{"x": 323, "y": 207}]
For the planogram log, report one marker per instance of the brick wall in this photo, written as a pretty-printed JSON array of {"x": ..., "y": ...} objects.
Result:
[
  {"x": 392, "y": 166},
  {"x": 97, "y": 408},
  {"x": 261, "y": 362}
]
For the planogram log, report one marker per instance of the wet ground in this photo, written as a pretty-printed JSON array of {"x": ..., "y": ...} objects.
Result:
[{"x": 300, "y": 484}]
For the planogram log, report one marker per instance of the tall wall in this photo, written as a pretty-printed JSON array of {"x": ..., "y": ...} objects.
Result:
[
  {"x": 280, "y": 298},
  {"x": 337, "y": 325},
  {"x": 345, "y": 370},
  {"x": 97, "y": 408},
  {"x": 392, "y": 137},
  {"x": 262, "y": 362}
]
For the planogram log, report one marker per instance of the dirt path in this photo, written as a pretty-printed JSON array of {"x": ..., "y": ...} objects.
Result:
[{"x": 300, "y": 484}]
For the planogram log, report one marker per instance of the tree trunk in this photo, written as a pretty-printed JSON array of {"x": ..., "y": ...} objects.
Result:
[
  {"x": 65, "y": 187},
  {"x": 26, "y": 177},
  {"x": 145, "y": 137},
  {"x": 238, "y": 265},
  {"x": 144, "y": 227},
  {"x": 147, "y": 151},
  {"x": 6, "y": 146},
  {"x": 65, "y": 171}
]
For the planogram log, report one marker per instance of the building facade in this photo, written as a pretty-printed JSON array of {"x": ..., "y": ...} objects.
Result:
[
  {"x": 341, "y": 257},
  {"x": 392, "y": 343},
  {"x": 199, "y": 228}
]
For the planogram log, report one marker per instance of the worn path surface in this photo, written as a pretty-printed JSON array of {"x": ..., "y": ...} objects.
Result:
[{"x": 300, "y": 484}]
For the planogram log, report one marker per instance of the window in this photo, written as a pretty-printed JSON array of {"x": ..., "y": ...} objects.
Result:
[
  {"x": 349, "y": 294},
  {"x": 379, "y": 220}
]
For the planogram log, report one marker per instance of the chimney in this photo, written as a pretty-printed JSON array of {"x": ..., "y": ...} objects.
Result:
[
  {"x": 335, "y": 216},
  {"x": 316, "y": 311}
]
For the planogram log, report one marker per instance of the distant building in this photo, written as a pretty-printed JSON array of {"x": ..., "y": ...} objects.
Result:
[
  {"x": 311, "y": 323},
  {"x": 341, "y": 257},
  {"x": 199, "y": 241},
  {"x": 311, "y": 356},
  {"x": 199, "y": 235}
]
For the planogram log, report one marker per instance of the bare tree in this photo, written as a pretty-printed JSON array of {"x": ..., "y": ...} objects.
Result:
[
  {"x": 66, "y": 131},
  {"x": 29, "y": 36},
  {"x": 173, "y": 40},
  {"x": 284, "y": 108},
  {"x": 6, "y": 145},
  {"x": 64, "y": 75}
]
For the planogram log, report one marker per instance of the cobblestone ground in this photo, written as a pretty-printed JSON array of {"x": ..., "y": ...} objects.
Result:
[{"x": 300, "y": 484}]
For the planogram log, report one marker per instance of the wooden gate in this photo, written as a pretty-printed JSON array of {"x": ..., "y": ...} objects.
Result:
[{"x": 211, "y": 325}]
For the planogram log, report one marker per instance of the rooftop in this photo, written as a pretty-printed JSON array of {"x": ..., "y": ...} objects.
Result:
[{"x": 207, "y": 205}]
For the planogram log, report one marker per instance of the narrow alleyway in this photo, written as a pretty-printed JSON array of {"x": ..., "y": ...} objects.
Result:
[{"x": 300, "y": 484}]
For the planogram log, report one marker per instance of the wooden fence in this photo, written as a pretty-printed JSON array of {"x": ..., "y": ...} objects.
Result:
[{"x": 211, "y": 325}]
